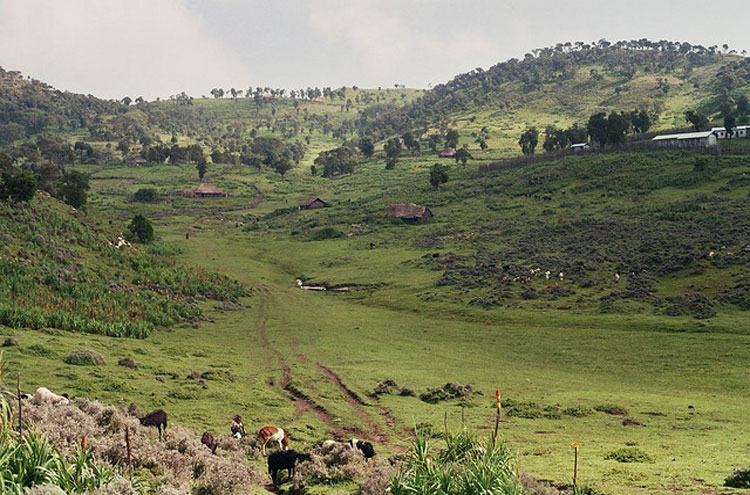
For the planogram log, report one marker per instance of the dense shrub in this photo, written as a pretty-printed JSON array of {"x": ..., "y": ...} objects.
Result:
[
  {"x": 447, "y": 391},
  {"x": 84, "y": 357},
  {"x": 146, "y": 195},
  {"x": 740, "y": 478}
]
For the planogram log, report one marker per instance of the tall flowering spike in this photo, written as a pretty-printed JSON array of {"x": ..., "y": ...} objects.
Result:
[
  {"x": 84, "y": 442},
  {"x": 575, "y": 445}
]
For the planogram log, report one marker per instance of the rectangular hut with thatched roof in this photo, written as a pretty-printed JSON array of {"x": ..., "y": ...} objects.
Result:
[
  {"x": 208, "y": 191},
  {"x": 409, "y": 212},
  {"x": 312, "y": 203}
]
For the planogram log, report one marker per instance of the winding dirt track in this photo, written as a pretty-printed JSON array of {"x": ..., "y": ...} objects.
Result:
[{"x": 295, "y": 389}]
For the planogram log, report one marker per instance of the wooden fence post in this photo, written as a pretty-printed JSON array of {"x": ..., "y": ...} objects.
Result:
[{"x": 127, "y": 447}]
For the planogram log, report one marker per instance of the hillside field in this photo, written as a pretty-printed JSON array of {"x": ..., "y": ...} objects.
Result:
[{"x": 555, "y": 357}]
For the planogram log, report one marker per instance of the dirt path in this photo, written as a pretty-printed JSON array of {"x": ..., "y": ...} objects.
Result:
[
  {"x": 357, "y": 404},
  {"x": 302, "y": 401}
]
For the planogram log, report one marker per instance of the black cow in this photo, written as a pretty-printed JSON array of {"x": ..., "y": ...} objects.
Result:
[
  {"x": 367, "y": 449},
  {"x": 284, "y": 459},
  {"x": 156, "y": 418}
]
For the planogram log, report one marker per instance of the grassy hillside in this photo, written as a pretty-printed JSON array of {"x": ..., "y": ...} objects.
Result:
[
  {"x": 638, "y": 340},
  {"x": 431, "y": 304}
]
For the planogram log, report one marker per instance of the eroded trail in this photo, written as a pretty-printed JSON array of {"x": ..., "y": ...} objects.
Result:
[
  {"x": 357, "y": 404},
  {"x": 301, "y": 400},
  {"x": 302, "y": 395}
]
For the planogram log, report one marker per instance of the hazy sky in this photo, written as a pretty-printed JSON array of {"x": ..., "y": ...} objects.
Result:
[{"x": 113, "y": 48}]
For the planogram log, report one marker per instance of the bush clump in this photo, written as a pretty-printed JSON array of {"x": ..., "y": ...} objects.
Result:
[
  {"x": 578, "y": 412},
  {"x": 448, "y": 391},
  {"x": 10, "y": 342},
  {"x": 127, "y": 363},
  {"x": 740, "y": 478},
  {"x": 386, "y": 387},
  {"x": 326, "y": 233},
  {"x": 84, "y": 357},
  {"x": 693, "y": 304},
  {"x": 629, "y": 454}
]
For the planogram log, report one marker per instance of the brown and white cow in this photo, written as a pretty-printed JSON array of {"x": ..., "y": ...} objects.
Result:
[{"x": 269, "y": 433}]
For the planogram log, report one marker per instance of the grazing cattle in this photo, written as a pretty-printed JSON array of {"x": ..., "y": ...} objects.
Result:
[
  {"x": 238, "y": 428},
  {"x": 209, "y": 441},
  {"x": 284, "y": 459},
  {"x": 367, "y": 449},
  {"x": 268, "y": 433},
  {"x": 43, "y": 394},
  {"x": 156, "y": 418}
]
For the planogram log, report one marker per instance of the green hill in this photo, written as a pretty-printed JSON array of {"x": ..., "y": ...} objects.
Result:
[{"x": 633, "y": 345}]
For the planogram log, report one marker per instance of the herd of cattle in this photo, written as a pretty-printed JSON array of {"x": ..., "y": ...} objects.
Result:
[{"x": 282, "y": 459}]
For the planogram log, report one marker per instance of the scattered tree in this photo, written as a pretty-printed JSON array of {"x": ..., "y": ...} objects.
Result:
[
  {"x": 18, "y": 187},
  {"x": 699, "y": 121},
  {"x": 366, "y": 147},
  {"x": 438, "y": 175},
  {"x": 140, "y": 230},
  {"x": 202, "y": 166},
  {"x": 73, "y": 187},
  {"x": 528, "y": 141},
  {"x": 337, "y": 161},
  {"x": 462, "y": 155},
  {"x": 451, "y": 138}
]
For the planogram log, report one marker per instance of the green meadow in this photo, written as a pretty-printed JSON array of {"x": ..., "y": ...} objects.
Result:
[{"x": 556, "y": 359}]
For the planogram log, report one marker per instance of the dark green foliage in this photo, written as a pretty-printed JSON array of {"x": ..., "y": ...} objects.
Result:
[
  {"x": 410, "y": 142},
  {"x": 146, "y": 195},
  {"x": 629, "y": 454},
  {"x": 337, "y": 161},
  {"x": 462, "y": 156},
  {"x": 140, "y": 230},
  {"x": 73, "y": 187},
  {"x": 693, "y": 304},
  {"x": 273, "y": 153},
  {"x": 740, "y": 478},
  {"x": 326, "y": 233},
  {"x": 451, "y": 138},
  {"x": 366, "y": 147},
  {"x": 18, "y": 186},
  {"x": 202, "y": 167},
  {"x": 438, "y": 175},
  {"x": 697, "y": 120},
  {"x": 390, "y": 164},
  {"x": 528, "y": 141},
  {"x": 392, "y": 148}
]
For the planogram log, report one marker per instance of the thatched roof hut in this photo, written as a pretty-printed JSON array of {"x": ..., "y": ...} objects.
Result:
[
  {"x": 312, "y": 203},
  {"x": 448, "y": 153},
  {"x": 208, "y": 191},
  {"x": 409, "y": 211}
]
